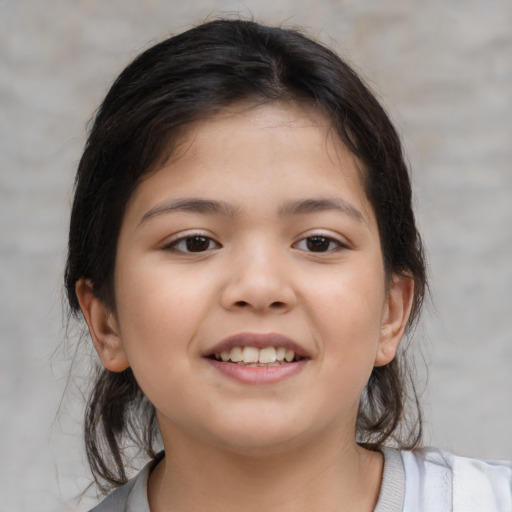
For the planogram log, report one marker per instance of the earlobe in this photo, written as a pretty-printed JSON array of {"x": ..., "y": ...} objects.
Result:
[
  {"x": 397, "y": 310},
  {"x": 103, "y": 328}
]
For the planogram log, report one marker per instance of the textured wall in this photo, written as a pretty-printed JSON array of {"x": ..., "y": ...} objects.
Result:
[{"x": 443, "y": 69}]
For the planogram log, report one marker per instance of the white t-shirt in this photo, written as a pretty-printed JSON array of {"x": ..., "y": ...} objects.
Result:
[
  {"x": 422, "y": 480},
  {"x": 430, "y": 480}
]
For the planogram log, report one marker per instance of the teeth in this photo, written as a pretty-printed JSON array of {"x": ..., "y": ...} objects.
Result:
[
  {"x": 268, "y": 355},
  {"x": 255, "y": 356},
  {"x": 250, "y": 355},
  {"x": 280, "y": 353},
  {"x": 236, "y": 354},
  {"x": 289, "y": 355}
]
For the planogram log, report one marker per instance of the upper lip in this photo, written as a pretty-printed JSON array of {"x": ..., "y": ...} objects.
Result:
[{"x": 258, "y": 340}]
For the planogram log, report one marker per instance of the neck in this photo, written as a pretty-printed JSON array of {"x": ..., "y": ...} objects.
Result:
[{"x": 324, "y": 476}]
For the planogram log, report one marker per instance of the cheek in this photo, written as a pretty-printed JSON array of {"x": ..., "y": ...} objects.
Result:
[
  {"x": 158, "y": 317},
  {"x": 348, "y": 319},
  {"x": 158, "y": 309},
  {"x": 350, "y": 301}
]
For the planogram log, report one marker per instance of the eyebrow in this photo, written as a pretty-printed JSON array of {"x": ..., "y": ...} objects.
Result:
[
  {"x": 195, "y": 205},
  {"x": 290, "y": 208},
  {"x": 305, "y": 206}
]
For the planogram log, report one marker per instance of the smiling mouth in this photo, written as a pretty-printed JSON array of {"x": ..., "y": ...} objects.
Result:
[{"x": 253, "y": 356}]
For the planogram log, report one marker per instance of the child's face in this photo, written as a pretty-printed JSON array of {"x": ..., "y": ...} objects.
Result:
[{"x": 256, "y": 234}]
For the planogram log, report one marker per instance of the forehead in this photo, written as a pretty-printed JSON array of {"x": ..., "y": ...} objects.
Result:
[
  {"x": 287, "y": 120},
  {"x": 284, "y": 144}
]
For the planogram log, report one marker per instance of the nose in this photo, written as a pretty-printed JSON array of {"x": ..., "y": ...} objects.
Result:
[{"x": 260, "y": 282}]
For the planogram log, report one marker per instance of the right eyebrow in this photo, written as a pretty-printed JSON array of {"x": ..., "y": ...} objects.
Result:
[
  {"x": 305, "y": 206},
  {"x": 195, "y": 205}
]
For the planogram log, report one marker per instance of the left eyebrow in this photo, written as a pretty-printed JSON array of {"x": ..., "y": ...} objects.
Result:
[
  {"x": 194, "y": 205},
  {"x": 305, "y": 206}
]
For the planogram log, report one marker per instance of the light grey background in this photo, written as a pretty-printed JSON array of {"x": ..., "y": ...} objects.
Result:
[{"x": 444, "y": 71}]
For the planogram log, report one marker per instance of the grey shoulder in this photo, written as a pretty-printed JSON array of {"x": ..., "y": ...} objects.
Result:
[
  {"x": 116, "y": 501},
  {"x": 130, "y": 497}
]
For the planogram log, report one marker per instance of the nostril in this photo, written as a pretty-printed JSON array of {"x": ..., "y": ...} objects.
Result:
[{"x": 273, "y": 305}]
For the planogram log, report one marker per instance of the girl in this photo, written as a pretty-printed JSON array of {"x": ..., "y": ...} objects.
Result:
[{"x": 243, "y": 249}]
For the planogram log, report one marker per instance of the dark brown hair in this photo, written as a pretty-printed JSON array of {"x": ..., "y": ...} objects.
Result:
[{"x": 188, "y": 78}]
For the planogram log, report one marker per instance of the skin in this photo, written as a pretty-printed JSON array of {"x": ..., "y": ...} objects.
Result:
[{"x": 284, "y": 446}]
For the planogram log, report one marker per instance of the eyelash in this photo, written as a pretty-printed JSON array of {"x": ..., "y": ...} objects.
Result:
[
  {"x": 185, "y": 242},
  {"x": 319, "y": 239}
]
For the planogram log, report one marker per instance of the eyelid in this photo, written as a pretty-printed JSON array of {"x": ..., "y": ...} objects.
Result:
[
  {"x": 170, "y": 243},
  {"x": 341, "y": 242},
  {"x": 325, "y": 233}
]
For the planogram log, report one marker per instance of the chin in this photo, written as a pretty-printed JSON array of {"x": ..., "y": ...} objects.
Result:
[
  {"x": 263, "y": 447},
  {"x": 259, "y": 439}
]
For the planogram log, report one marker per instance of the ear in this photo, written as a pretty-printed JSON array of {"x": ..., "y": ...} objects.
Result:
[
  {"x": 103, "y": 328},
  {"x": 397, "y": 309}
]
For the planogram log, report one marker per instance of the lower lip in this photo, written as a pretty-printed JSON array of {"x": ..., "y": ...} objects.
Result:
[{"x": 258, "y": 374}]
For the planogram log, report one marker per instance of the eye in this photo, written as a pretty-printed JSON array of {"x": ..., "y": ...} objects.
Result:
[
  {"x": 318, "y": 243},
  {"x": 193, "y": 243}
]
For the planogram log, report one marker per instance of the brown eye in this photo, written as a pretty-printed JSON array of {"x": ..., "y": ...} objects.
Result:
[
  {"x": 192, "y": 244},
  {"x": 197, "y": 243},
  {"x": 319, "y": 243}
]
